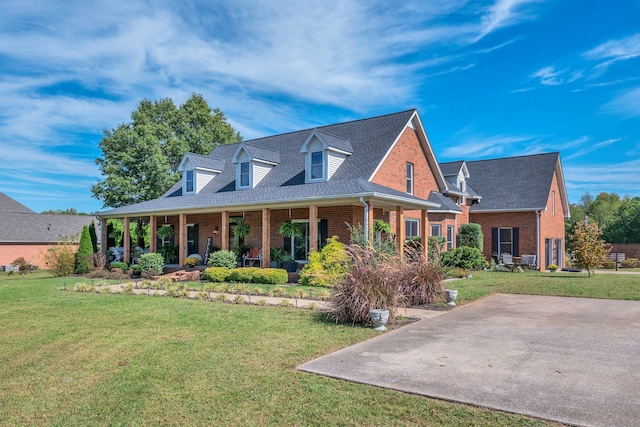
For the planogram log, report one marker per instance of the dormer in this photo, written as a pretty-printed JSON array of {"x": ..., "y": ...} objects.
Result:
[
  {"x": 253, "y": 164},
  {"x": 324, "y": 153},
  {"x": 198, "y": 171}
]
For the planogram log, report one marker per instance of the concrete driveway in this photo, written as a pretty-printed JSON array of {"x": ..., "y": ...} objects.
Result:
[{"x": 572, "y": 360}]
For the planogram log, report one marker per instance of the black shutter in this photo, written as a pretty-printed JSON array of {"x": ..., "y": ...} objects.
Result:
[
  {"x": 494, "y": 241},
  {"x": 516, "y": 241},
  {"x": 324, "y": 232}
]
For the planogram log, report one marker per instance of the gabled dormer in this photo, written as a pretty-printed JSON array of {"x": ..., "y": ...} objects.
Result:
[
  {"x": 253, "y": 164},
  {"x": 198, "y": 171},
  {"x": 324, "y": 153}
]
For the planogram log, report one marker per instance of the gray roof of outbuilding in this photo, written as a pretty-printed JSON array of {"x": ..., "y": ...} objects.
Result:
[
  {"x": 7, "y": 204},
  {"x": 370, "y": 138},
  {"x": 28, "y": 227},
  {"x": 513, "y": 183}
]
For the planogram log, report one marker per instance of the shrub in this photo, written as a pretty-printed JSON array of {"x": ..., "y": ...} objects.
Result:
[
  {"x": 226, "y": 259},
  {"x": 277, "y": 291},
  {"x": 609, "y": 265},
  {"x": 239, "y": 299},
  {"x": 216, "y": 274},
  {"x": 470, "y": 235},
  {"x": 630, "y": 263},
  {"x": 370, "y": 283},
  {"x": 94, "y": 237},
  {"x": 270, "y": 276},
  {"x": 84, "y": 256},
  {"x": 421, "y": 280},
  {"x": 243, "y": 274},
  {"x": 22, "y": 265},
  {"x": 151, "y": 261},
  {"x": 458, "y": 273},
  {"x": 325, "y": 268},
  {"x": 136, "y": 269},
  {"x": 285, "y": 303},
  {"x": 435, "y": 246},
  {"x": 190, "y": 262},
  {"x": 241, "y": 288},
  {"x": 128, "y": 289},
  {"x": 61, "y": 259},
  {"x": 464, "y": 257},
  {"x": 202, "y": 296},
  {"x": 119, "y": 264},
  {"x": 262, "y": 302},
  {"x": 221, "y": 298}
]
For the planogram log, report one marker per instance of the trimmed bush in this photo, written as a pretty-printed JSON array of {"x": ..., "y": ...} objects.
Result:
[
  {"x": 630, "y": 263},
  {"x": 243, "y": 274},
  {"x": 470, "y": 235},
  {"x": 84, "y": 256},
  {"x": 151, "y": 261},
  {"x": 270, "y": 276},
  {"x": 216, "y": 274},
  {"x": 226, "y": 259},
  {"x": 609, "y": 265},
  {"x": 61, "y": 259},
  {"x": 464, "y": 257},
  {"x": 119, "y": 264}
]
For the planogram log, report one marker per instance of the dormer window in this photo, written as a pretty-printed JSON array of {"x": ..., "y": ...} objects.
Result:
[
  {"x": 324, "y": 154},
  {"x": 198, "y": 171},
  {"x": 189, "y": 181},
  {"x": 245, "y": 174},
  {"x": 253, "y": 163},
  {"x": 317, "y": 165}
]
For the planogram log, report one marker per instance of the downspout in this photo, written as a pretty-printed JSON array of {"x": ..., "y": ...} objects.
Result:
[
  {"x": 366, "y": 219},
  {"x": 538, "y": 213}
]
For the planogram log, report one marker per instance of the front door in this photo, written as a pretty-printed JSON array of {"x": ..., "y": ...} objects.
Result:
[
  {"x": 548, "y": 248},
  {"x": 192, "y": 239}
]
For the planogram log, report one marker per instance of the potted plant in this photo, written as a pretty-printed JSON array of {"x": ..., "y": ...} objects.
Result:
[
  {"x": 290, "y": 229},
  {"x": 277, "y": 254},
  {"x": 552, "y": 268},
  {"x": 288, "y": 263},
  {"x": 241, "y": 230}
]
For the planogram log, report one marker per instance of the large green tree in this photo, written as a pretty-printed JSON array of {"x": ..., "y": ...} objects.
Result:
[
  {"x": 625, "y": 226},
  {"x": 140, "y": 159}
]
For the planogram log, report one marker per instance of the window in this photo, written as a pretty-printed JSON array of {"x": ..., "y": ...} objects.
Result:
[
  {"x": 505, "y": 241},
  {"x": 410, "y": 178},
  {"x": 553, "y": 203},
  {"x": 449, "y": 237},
  {"x": 189, "y": 181},
  {"x": 244, "y": 174},
  {"x": 436, "y": 230},
  {"x": 412, "y": 227},
  {"x": 317, "y": 165}
]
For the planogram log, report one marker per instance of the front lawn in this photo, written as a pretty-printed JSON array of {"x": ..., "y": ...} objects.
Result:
[
  {"x": 600, "y": 285},
  {"x": 75, "y": 359}
]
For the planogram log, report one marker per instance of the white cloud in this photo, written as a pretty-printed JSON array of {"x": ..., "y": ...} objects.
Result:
[
  {"x": 503, "y": 13},
  {"x": 621, "y": 178},
  {"x": 585, "y": 148},
  {"x": 626, "y": 104},
  {"x": 473, "y": 147},
  {"x": 551, "y": 77},
  {"x": 615, "y": 50}
]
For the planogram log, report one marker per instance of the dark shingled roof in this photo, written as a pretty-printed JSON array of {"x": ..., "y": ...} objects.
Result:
[
  {"x": 451, "y": 168},
  {"x": 206, "y": 162},
  {"x": 446, "y": 204},
  {"x": 259, "y": 153},
  {"x": 513, "y": 183},
  {"x": 19, "y": 224},
  {"x": 7, "y": 204},
  {"x": 335, "y": 142},
  {"x": 370, "y": 139}
]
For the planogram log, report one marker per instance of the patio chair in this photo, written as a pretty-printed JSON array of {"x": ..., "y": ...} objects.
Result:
[
  {"x": 250, "y": 258},
  {"x": 116, "y": 253}
]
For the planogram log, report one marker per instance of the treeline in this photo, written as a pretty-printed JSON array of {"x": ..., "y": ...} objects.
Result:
[
  {"x": 70, "y": 211},
  {"x": 618, "y": 217}
]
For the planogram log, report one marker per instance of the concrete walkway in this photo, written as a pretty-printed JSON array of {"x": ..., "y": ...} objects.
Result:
[{"x": 572, "y": 360}]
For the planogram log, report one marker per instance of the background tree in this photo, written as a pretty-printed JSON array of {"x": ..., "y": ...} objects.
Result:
[
  {"x": 625, "y": 226},
  {"x": 140, "y": 159},
  {"x": 589, "y": 247},
  {"x": 94, "y": 237}
]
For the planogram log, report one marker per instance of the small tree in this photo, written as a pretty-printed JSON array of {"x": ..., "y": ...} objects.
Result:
[
  {"x": 326, "y": 268},
  {"x": 94, "y": 237},
  {"x": 470, "y": 235},
  {"x": 591, "y": 250},
  {"x": 61, "y": 258},
  {"x": 84, "y": 257}
]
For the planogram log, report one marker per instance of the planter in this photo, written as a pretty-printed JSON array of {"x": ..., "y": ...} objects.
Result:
[
  {"x": 274, "y": 264},
  {"x": 379, "y": 318},
  {"x": 291, "y": 266},
  {"x": 451, "y": 294}
]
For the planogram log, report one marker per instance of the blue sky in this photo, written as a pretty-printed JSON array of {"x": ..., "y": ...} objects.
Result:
[{"x": 490, "y": 79}]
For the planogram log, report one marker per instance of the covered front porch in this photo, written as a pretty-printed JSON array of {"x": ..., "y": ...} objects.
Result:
[{"x": 201, "y": 230}]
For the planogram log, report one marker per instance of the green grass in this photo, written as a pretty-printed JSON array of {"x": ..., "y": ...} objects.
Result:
[
  {"x": 603, "y": 284},
  {"x": 76, "y": 359}
]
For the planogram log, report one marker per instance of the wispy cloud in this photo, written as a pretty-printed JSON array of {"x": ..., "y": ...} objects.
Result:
[
  {"x": 503, "y": 13},
  {"x": 627, "y": 103},
  {"x": 551, "y": 77},
  {"x": 623, "y": 177},
  {"x": 472, "y": 147},
  {"x": 614, "y": 51},
  {"x": 586, "y": 147}
]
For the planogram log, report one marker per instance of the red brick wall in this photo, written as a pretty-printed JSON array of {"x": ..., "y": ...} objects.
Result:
[
  {"x": 393, "y": 173},
  {"x": 32, "y": 253},
  {"x": 552, "y": 225}
]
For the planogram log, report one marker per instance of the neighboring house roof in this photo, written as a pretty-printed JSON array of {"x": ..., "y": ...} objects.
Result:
[
  {"x": 7, "y": 204},
  {"x": 518, "y": 183},
  {"x": 371, "y": 139},
  {"x": 19, "y": 224}
]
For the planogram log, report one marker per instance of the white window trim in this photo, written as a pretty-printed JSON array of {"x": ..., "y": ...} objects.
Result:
[
  {"x": 450, "y": 243},
  {"x": 323, "y": 153},
  {"x": 439, "y": 226},
  {"x": 239, "y": 176},
  {"x": 413, "y": 221},
  {"x": 193, "y": 181},
  {"x": 410, "y": 180}
]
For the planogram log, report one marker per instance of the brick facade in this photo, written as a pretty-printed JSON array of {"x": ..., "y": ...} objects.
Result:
[{"x": 33, "y": 253}]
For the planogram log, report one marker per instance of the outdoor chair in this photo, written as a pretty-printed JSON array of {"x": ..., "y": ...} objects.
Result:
[{"x": 250, "y": 258}]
